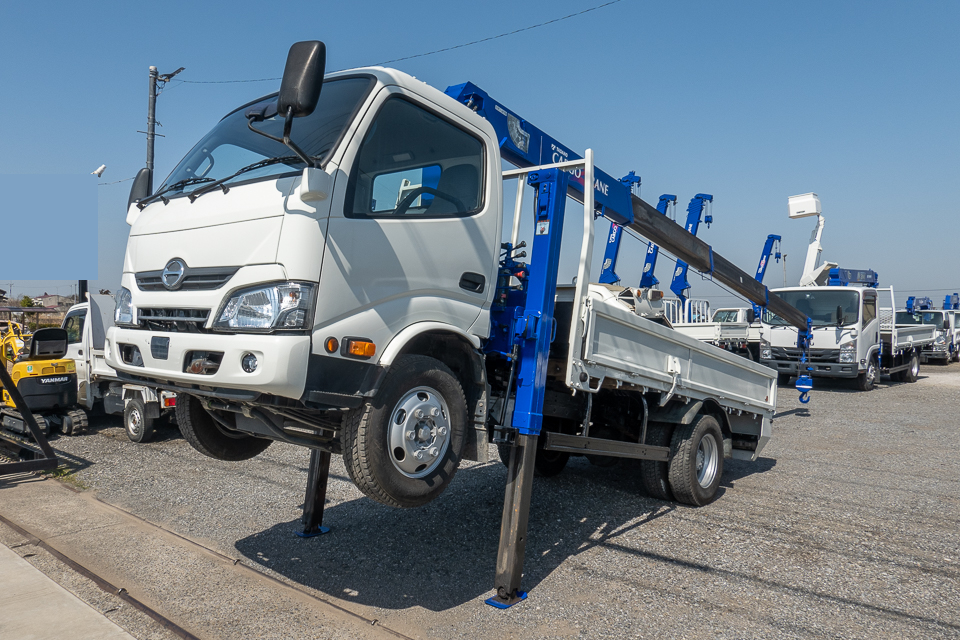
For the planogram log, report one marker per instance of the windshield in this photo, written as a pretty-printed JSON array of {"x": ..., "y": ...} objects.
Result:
[
  {"x": 819, "y": 306},
  {"x": 920, "y": 317},
  {"x": 231, "y": 145},
  {"x": 725, "y": 315}
]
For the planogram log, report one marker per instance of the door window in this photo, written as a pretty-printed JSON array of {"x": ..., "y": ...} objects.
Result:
[
  {"x": 414, "y": 163},
  {"x": 74, "y": 327},
  {"x": 869, "y": 309}
]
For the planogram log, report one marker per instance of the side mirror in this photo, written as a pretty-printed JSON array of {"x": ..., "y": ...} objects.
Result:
[
  {"x": 751, "y": 316},
  {"x": 946, "y": 325},
  {"x": 302, "y": 79},
  {"x": 142, "y": 186},
  {"x": 840, "y": 318}
]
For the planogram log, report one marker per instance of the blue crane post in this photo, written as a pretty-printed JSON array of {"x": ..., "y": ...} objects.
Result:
[
  {"x": 647, "y": 279},
  {"x": 608, "y": 269},
  {"x": 951, "y": 302},
  {"x": 532, "y": 332},
  {"x": 764, "y": 261},
  {"x": 694, "y": 213}
]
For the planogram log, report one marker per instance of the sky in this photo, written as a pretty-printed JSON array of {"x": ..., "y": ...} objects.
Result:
[{"x": 748, "y": 101}]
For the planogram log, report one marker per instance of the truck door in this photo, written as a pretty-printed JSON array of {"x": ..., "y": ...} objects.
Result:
[
  {"x": 414, "y": 235},
  {"x": 871, "y": 324},
  {"x": 75, "y": 324}
]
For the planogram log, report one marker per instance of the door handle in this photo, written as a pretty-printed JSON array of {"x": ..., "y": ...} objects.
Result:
[{"x": 473, "y": 282}]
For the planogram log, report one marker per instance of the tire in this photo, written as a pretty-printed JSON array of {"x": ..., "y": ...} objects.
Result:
[
  {"x": 139, "y": 427},
  {"x": 74, "y": 422},
  {"x": 868, "y": 379},
  {"x": 696, "y": 461},
  {"x": 783, "y": 379},
  {"x": 912, "y": 374},
  {"x": 654, "y": 473},
  {"x": 420, "y": 409},
  {"x": 204, "y": 435},
  {"x": 955, "y": 353}
]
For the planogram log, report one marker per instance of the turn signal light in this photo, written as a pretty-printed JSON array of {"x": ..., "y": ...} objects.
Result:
[
  {"x": 170, "y": 402},
  {"x": 331, "y": 345},
  {"x": 361, "y": 348}
]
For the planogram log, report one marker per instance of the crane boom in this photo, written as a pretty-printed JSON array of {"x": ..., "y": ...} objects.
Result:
[
  {"x": 647, "y": 279},
  {"x": 524, "y": 145},
  {"x": 694, "y": 214},
  {"x": 764, "y": 261}
]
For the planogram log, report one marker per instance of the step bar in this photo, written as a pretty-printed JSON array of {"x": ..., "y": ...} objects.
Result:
[{"x": 601, "y": 447}]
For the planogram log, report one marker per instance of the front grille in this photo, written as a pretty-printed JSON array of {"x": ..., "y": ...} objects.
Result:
[
  {"x": 194, "y": 279},
  {"x": 793, "y": 355},
  {"x": 181, "y": 320}
]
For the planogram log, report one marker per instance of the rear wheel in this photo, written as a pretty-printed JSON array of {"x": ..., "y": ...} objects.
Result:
[
  {"x": 912, "y": 374},
  {"x": 697, "y": 461},
  {"x": 139, "y": 427},
  {"x": 654, "y": 473},
  {"x": 403, "y": 447},
  {"x": 206, "y": 436},
  {"x": 868, "y": 378}
]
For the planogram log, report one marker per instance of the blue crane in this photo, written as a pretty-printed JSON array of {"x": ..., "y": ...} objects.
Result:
[
  {"x": 951, "y": 302},
  {"x": 919, "y": 304},
  {"x": 764, "y": 260},
  {"x": 647, "y": 279},
  {"x": 608, "y": 273},
  {"x": 694, "y": 214}
]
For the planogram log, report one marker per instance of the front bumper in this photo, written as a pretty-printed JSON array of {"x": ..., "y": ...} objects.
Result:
[
  {"x": 815, "y": 369},
  {"x": 934, "y": 353},
  {"x": 281, "y": 370}
]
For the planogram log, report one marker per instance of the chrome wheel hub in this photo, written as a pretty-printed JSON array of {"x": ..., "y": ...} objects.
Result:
[
  {"x": 419, "y": 432},
  {"x": 707, "y": 461}
]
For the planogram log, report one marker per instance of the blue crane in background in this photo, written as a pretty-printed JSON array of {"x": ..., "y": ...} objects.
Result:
[
  {"x": 764, "y": 260},
  {"x": 694, "y": 214},
  {"x": 608, "y": 272},
  {"x": 951, "y": 302},
  {"x": 647, "y": 279}
]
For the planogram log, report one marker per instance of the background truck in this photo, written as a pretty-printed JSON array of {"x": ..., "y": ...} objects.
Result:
[
  {"x": 946, "y": 346},
  {"x": 854, "y": 336},
  {"x": 304, "y": 298},
  {"x": 86, "y": 325}
]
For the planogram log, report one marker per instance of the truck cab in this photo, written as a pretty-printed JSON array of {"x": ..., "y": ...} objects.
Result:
[{"x": 846, "y": 332}]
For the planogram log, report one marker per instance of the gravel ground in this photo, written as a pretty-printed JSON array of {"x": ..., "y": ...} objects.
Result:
[{"x": 847, "y": 527}]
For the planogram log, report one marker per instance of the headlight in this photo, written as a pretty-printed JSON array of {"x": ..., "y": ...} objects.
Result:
[
  {"x": 848, "y": 352},
  {"x": 123, "y": 311},
  {"x": 940, "y": 340},
  {"x": 766, "y": 353},
  {"x": 284, "y": 306}
]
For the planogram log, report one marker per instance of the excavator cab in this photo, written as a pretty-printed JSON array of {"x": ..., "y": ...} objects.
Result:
[{"x": 48, "y": 383}]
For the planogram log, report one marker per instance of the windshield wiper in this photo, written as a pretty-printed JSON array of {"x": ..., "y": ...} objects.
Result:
[
  {"x": 176, "y": 185},
  {"x": 250, "y": 167}
]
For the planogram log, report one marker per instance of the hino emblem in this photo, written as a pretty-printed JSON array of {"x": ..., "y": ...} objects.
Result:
[{"x": 172, "y": 274}]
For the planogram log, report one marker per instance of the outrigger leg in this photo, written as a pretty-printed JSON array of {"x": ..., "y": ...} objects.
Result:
[
  {"x": 316, "y": 495},
  {"x": 513, "y": 525}
]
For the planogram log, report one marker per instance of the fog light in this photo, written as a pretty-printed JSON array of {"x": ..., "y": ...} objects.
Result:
[{"x": 249, "y": 362}]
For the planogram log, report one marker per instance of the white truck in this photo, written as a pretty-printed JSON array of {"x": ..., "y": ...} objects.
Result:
[
  {"x": 316, "y": 298},
  {"x": 86, "y": 325},
  {"x": 946, "y": 346},
  {"x": 694, "y": 318},
  {"x": 853, "y": 336},
  {"x": 743, "y": 316}
]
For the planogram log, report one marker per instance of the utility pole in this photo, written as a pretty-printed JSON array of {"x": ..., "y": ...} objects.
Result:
[
  {"x": 151, "y": 121},
  {"x": 156, "y": 81},
  {"x": 784, "y": 269}
]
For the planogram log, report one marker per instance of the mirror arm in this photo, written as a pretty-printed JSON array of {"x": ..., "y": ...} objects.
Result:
[{"x": 287, "y": 125}]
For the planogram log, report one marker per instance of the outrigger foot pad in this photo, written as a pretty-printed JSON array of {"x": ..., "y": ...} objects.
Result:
[
  {"x": 506, "y": 603},
  {"x": 313, "y": 534}
]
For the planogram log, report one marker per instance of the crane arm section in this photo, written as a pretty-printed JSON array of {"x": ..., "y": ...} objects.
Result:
[
  {"x": 694, "y": 214},
  {"x": 647, "y": 279},
  {"x": 524, "y": 145}
]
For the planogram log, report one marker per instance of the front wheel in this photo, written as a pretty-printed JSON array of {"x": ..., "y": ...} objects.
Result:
[
  {"x": 139, "y": 427},
  {"x": 868, "y": 378},
  {"x": 783, "y": 379},
  {"x": 403, "y": 447},
  {"x": 206, "y": 436},
  {"x": 697, "y": 461}
]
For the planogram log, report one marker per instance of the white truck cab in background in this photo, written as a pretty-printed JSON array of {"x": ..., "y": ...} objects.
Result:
[{"x": 86, "y": 325}]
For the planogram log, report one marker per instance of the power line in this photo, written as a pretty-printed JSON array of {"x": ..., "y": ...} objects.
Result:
[
  {"x": 430, "y": 53},
  {"x": 115, "y": 181}
]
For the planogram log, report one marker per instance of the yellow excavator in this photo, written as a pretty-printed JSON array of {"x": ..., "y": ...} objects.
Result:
[{"x": 46, "y": 380}]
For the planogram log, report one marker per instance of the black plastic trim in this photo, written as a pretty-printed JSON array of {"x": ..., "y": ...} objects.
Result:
[{"x": 335, "y": 380}]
